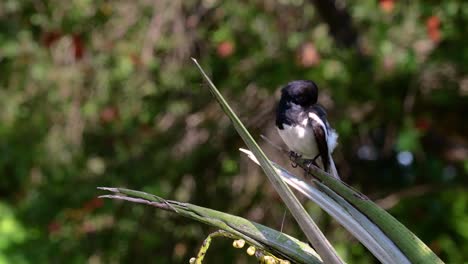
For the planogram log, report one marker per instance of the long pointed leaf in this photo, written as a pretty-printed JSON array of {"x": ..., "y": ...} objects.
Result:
[{"x": 277, "y": 243}]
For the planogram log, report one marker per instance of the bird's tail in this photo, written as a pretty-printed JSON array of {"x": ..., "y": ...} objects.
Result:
[{"x": 332, "y": 169}]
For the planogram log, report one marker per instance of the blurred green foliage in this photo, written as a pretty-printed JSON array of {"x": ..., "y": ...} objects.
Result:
[{"x": 102, "y": 93}]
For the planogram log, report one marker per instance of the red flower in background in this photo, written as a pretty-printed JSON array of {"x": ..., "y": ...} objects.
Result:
[
  {"x": 433, "y": 28},
  {"x": 225, "y": 49},
  {"x": 109, "y": 114},
  {"x": 422, "y": 124},
  {"x": 78, "y": 47},
  {"x": 387, "y": 5},
  {"x": 93, "y": 204},
  {"x": 50, "y": 37},
  {"x": 308, "y": 55},
  {"x": 54, "y": 227}
]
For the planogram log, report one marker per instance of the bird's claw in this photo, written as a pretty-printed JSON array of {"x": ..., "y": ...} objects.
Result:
[
  {"x": 293, "y": 156},
  {"x": 310, "y": 163}
]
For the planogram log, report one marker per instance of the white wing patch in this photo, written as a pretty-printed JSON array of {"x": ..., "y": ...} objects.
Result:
[
  {"x": 332, "y": 140},
  {"x": 331, "y": 135},
  {"x": 318, "y": 120}
]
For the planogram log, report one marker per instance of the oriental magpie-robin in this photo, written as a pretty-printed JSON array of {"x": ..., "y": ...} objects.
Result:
[{"x": 303, "y": 125}]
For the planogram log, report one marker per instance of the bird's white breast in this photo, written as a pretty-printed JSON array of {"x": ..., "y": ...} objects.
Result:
[{"x": 299, "y": 139}]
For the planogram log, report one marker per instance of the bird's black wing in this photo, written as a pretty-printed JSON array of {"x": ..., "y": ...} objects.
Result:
[
  {"x": 321, "y": 140},
  {"x": 320, "y": 111}
]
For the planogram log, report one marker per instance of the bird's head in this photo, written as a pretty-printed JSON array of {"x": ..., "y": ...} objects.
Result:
[{"x": 303, "y": 93}]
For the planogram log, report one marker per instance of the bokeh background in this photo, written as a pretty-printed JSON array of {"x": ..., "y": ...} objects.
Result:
[{"x": 103, "y": 93}]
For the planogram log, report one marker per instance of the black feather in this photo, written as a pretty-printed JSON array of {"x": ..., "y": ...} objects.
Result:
[{"x": 321, "y": 140}]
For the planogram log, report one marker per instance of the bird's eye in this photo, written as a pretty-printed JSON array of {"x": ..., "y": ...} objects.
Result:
[{"x": 302, "y": 99}]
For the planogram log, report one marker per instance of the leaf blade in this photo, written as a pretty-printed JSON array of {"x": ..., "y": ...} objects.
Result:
[
  {"x": 259, "y": 235},
  {"x": 413, "y": 247}
]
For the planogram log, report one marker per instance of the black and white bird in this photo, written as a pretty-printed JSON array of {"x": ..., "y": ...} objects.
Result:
[{"x": 303, "y": 124}]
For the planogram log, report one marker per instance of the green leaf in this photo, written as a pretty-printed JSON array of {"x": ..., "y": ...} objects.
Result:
[
  {"x": 409, "y": 243},
  {"x": 277, "y": 243}
]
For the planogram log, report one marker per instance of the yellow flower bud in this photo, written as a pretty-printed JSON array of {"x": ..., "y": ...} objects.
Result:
[
  {"x": 238, "y": 243},
  {"x": 251, "y": 250},
  {"x": 269, "y": 260}
]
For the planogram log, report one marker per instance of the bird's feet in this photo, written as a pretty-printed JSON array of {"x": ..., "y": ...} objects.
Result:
[
  {"x": 310, "y": 163},
  {"x": 293, "y": 156}
]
